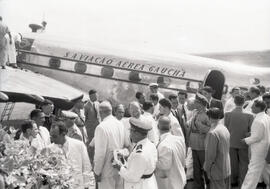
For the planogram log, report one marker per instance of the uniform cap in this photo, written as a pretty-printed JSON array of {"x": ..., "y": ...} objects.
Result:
[
  {"x": 69, "y": 115},
  {"x": 141, "y": 123},
  {"x": 153, "y": 85},
  {"x": 201, "y": 99}
]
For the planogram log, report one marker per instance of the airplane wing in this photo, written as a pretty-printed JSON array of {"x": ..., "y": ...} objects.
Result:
[{"x": 26, "y": 86}]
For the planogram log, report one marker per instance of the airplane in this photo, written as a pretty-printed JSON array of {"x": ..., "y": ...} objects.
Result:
[
  {"x": 118, "y": 73},
  {"x": 25, "y": 89}
]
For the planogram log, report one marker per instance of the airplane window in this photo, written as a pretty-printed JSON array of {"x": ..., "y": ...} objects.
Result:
[
  {"x": 163, "y": 81},
  {"x": 107, "y": 72},
  {"x": 80, "y": 67},
  {"x": 55, "y": 63},
  {"x": 192, "y": 86},
  {"x": 134, "y": 76}
]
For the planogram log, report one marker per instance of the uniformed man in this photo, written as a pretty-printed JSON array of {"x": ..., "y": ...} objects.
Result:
[
  {"x": 69, "y": 120},
  {"x": 200, "y": 125},
  {"x": 154, "y": 90},
  {"x": 140, "y": 166}
]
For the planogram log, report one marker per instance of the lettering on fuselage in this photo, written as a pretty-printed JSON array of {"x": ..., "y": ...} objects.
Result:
[{"x": 101, "y": 60}]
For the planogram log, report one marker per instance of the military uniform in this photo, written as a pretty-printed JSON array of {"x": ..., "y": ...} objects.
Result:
[{"x": 138, "y": 173}]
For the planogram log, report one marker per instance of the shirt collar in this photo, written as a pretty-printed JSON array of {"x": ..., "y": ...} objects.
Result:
[
  {"x": 142, "y": 141},
  {"x": 260, "y": 114},
  {"x": 164, "y": 135},
  {"x": 108, "y": 117}
]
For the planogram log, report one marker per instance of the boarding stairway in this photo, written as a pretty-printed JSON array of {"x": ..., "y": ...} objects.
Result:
[{"x": 7, "y": 111}]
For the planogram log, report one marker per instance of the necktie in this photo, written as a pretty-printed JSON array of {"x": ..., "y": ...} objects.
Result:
[{"x": 184, "y": 112}]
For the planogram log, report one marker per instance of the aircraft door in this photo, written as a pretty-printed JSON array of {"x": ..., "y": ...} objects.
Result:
[{"x": 216, "y": 80}]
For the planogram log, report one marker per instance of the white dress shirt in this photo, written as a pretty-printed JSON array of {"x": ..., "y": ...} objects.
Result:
[
  {"x": 153, "y": 134},
  {"x": 175, "y": 126},
  {"x": 248, "y": 107},
  {"x": 156, "y": 111},
  {"x": 229, "y": 105},
  {"x": 45, "y": 135},
  {"x": 77, "y": 154},
  {"x": 170, "y": 171}
]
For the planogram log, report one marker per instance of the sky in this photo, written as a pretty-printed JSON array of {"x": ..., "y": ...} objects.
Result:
[{"x": 180, "y": 26}]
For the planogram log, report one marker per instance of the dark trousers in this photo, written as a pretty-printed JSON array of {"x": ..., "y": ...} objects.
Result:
[
  {"x": 239, "y": 164},
  {"x": 199, "y": 175},
  {"x": 220, "y": 184}
]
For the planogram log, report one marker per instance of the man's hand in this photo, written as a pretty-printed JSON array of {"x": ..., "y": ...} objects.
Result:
[
  {"x": 98, "y": 178},
  {"x": 243, "y": 141},
  {"x": 247, "y": 134}
]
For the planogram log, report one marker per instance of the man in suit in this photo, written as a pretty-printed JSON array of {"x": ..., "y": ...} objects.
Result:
[
  {"x": 165, "y": 109},
  {"x": 178, "y": 112},
  {"x": 48, "y": 107},
  {"x": 254, "y": 94},
  {"x": 230, "y": 105},
  {"x": 259, "y": 143},
  {"x": 170, "y": 170},
  {"x": 76, "y": 152},
  {"x": 109, "y": 136},
  {"x": 207, "y": 91},
  {"x": 217, "y": 147},
  {"x": 238, "y": 123},
  {"x": 92, "y": 118}
]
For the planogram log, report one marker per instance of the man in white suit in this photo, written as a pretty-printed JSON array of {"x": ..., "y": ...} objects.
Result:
[
  {"x": 109, "y": 136},
  {"x": 170, "y": 172},
  {"x": 76, "y": 153},
  {"x": 258, "y": 143}
]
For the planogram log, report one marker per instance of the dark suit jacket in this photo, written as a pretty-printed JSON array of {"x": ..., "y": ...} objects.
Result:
[
  {"x": 217, "y": 158},
  {"x": 268, "y": 156},
  {"x": 215, "y": 103},
  {"x": 182, "y": 122},
  {"x": 238, "y": 124}
]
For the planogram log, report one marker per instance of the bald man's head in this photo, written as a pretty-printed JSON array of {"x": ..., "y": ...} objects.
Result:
[
  {"x": 190, "y": 103},
  {"x": 105, "y": 109},
  {"x": 164, "y": 124},
  {"x": 134, "y": 109}
]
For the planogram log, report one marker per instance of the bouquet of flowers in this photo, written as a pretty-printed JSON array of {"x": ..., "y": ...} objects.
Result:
[{"x": 25, "y": 167}]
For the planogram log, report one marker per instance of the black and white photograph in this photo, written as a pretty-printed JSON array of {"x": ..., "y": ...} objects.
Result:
[{"x": 134, "y": 94}]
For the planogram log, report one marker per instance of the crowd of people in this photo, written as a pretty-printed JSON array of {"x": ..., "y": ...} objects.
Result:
[{"x": 168, "y": 142}]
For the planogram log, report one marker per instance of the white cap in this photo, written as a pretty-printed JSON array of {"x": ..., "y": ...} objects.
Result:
[
  {"x": 69, "y": 114},
  {"x": 142, "y": 123},
  {"x": 153, "y": 85}
]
